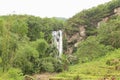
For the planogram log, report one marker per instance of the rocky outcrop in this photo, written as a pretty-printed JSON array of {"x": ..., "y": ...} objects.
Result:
[
  {"x": 103, "y": 20},
  {"x": 116, "y": 12},
  {"x": 75, "y": 39},
  {"x": 80, "y": 35}
]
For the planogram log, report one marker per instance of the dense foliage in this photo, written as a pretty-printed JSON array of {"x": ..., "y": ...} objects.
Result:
[
  {"x": 45, "y": 25},
  {"x": 106, "y": 40},
  {"x": 105, "y": 67},
  {"x": 109, "y": 32},
  {"x": 91, "y": 49},
  {"x": 26, "y": 42},
  {"x": 91, "y": 17}
]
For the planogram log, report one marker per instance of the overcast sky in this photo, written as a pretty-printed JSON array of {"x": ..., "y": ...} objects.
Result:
[{"x": 47, "y": 8}]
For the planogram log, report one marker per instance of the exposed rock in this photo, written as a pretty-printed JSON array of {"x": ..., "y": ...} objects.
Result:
[
  {"x": 69, "y": 50},
  {"x": 80, "y": 35},
  {"x": 27, "y": 77},
  {"x": 44, "y": 76},
  {"x": 75, "y": 39},
  {"x": 76, "y": 44},
  {"x": 82, "y": 31},
  {"x": 103, "y": 20},
  {"x": 117, "y": 11}
]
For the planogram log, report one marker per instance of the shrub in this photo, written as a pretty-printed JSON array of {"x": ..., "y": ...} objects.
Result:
[
  {"x": 58, "y": 66},
  {"x": 25, "y": 59},
  {"x": 109, "y": 32},
  {"x": 47, "y": 67},
  {"x": 112, "y": 62},
  {"x": 15, "y": 74},
  {"x": 49, "y": 64},
  {"x": 77, "y": 77},
  {"x": 41, "y": 46},
  {"x": 72, "y": 59},
  {"x": 91, "y": 49}
]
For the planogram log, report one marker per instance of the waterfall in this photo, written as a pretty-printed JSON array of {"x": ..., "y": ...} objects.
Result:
[{"x": 57, "y": 40}]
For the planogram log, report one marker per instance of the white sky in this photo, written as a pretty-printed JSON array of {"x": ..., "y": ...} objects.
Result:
[{"x": 47, "y": 8}]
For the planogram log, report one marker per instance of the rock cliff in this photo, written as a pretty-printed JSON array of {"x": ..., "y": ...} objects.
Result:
[{"x": 80, "y": 34}]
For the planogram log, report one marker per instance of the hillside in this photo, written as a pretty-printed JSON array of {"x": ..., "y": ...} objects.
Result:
[
  {"x": 85, "y": 23},
  {"x": 93, "y": 36},
  {"x": 104, "y": 68},
  {"x": 26, "y": 46},
  {"x": 99, "y": 56},
  {"x": 91, "y": 43}
]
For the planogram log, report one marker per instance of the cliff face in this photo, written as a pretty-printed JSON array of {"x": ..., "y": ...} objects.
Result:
[
  {"x": 117, "y": 11},
  {"x": 75, "y": 38},
  {"x": 80, "y": 34}
]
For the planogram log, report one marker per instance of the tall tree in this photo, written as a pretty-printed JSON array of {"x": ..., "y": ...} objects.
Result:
[
  {"x": 109, "y": 32},
  {"x": 5, "y": 44}
]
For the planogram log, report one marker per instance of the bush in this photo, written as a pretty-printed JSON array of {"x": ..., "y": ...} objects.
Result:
[
  {"x": 41, "y": 46},
  {"x": 15, "y": 74},
  {"x": 91, "y": 49},
  {"x": 49, "y": 64},
  {"x": 47, "y": 67},
  {"x": 112, "y": 62},
  {"x": 72, "y": 59},
  {"x": 109, "y": 32},
  {"x": 25, "y": 59},
  {"x": 77, "y": 77},
  {"x": 58, "y": 65}
]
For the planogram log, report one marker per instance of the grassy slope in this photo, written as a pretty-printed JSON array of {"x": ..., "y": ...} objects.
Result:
[{"x": 94, "y": 70}]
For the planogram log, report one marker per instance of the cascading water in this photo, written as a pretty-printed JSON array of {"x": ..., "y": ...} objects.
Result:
[{"x": 57, "y": 40}]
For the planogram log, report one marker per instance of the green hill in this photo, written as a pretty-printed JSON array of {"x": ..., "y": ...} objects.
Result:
[
  {"x": 105, "y": 67},
  {"x": 92, "y": 16},
  {"x": 85, "y": 23},
  {"x": 98, "y": 52},
  {"x": 91, "y": 45}
]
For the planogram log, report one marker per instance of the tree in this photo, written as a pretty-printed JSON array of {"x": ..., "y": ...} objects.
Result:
[
  {"x": 12, "y": 33},
  {"x": 109, "y": 32},
  {"x": 41, "y": 46},
  {"x": 34, "y": 27},
  {"x": 25, "y": 58},
  {"x": 34, "y": 55},
  {"x": 4, "y": 30},
  {"x": 91, "y": 49},
  {"x": 20, "y": 28}
]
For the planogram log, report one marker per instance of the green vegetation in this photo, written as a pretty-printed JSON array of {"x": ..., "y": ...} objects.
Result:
[
  {"x": 97, "y": 69},
  {"x": 99, "y": 54},
  {"x": 12, "y": 74},
  {"x": 91, "y": 49},
  {"x": 91, "y": 17},
  {"x": 109, "y": 32},
  {"x": 26, "y": 46}
]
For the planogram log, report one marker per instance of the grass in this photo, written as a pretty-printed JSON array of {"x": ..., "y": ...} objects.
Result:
[
  {"x": 11, "y": 74},
  {"x": 94, "y": 70}
]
